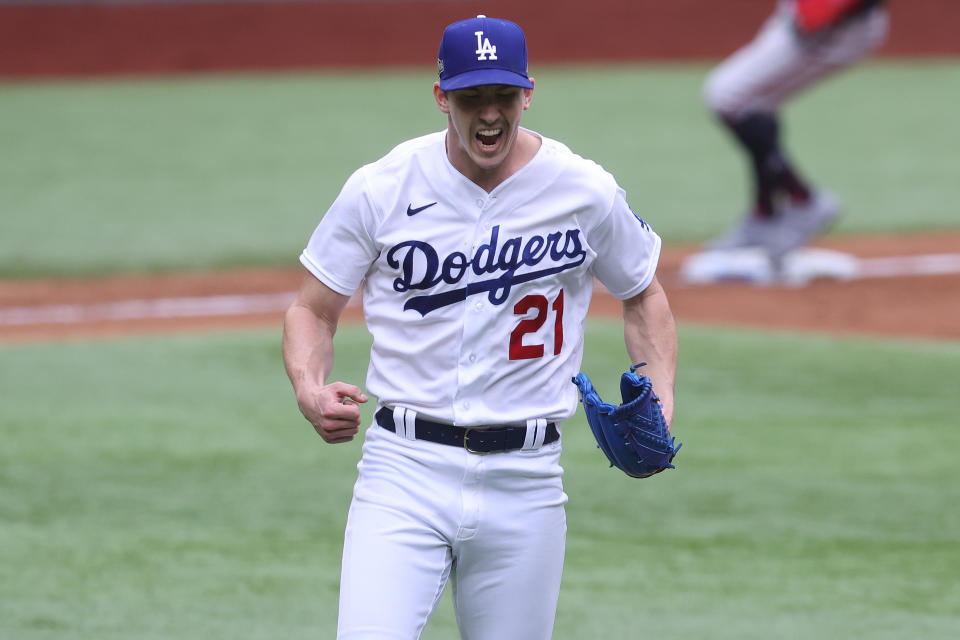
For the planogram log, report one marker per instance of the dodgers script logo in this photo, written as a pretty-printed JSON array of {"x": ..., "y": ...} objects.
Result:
[
  {"x": 421, "y": 268},
  {"x": 485, "y": 50}
]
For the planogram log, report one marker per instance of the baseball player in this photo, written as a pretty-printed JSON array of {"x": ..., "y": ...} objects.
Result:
[
  {"x": 476, "y": 248},
  {"x": 802, "y": 43}
]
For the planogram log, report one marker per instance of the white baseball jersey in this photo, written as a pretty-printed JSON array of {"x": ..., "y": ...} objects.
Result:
[{"x": 477, "y": 301}]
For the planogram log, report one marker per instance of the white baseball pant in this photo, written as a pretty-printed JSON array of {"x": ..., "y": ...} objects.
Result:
[{"x": 422, "y": 512}]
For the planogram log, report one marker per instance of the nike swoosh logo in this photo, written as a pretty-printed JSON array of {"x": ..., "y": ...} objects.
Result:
[{"x": 412, "y": 212}]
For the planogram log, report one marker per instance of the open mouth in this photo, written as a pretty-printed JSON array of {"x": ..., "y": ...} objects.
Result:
[{"x": 488, "y": 138}]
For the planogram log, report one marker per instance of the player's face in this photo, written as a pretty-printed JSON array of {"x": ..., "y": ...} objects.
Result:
[{"x": 485, "y": 121}]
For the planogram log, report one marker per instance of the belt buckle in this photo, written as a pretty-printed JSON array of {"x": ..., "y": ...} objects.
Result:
[{"x": 466, "y": 445}]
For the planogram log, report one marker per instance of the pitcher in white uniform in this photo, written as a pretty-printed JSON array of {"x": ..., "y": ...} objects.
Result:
[{"x": 476, "y": 248}]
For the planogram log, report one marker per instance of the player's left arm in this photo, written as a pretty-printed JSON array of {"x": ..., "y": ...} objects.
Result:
[{"x": 650, "y": 334}]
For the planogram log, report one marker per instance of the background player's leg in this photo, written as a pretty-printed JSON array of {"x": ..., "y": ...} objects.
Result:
[
  {"x": 746, "y": 91},
  {"x": 759, "y": 134},
  {"x": 805, "y": 215}
]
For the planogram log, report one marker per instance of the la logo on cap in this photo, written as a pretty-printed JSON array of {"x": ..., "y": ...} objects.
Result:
[
  {"x": 482, "y": 51},
  {"x": 485, "y": 50}
]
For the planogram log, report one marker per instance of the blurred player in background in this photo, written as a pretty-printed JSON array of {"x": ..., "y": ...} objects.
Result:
[{"x": 801, "y": 44}]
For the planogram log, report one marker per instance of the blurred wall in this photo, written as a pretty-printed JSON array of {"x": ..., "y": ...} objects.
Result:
[{"x": 63, "y": 37}]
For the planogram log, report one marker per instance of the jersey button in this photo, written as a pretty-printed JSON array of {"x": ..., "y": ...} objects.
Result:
[
  {"x": 480, "y": 203},
  {"x": 466, "y": 405},
  {"x": 473, "y": 357}
]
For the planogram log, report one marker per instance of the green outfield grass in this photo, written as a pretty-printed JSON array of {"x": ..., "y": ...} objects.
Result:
[
  {"x": 168, "y": 488},
  {"x": 235, "y": 170}
]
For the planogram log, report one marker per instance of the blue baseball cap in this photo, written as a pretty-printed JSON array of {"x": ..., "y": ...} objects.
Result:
[{"x": 481, "y": 51}]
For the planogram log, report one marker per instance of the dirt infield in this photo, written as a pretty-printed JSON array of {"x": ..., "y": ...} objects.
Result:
[{"x": 907, "y": 305}]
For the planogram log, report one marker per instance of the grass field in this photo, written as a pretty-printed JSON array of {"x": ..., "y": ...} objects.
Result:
[
  {"x": 235, "y": 170},
  {"x": 167, "y": 488}
]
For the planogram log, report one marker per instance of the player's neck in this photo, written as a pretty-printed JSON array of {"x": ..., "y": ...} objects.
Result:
[{"x": 524, "y": 149}]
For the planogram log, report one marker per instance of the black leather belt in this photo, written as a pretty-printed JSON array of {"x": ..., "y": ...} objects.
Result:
[{"x": 473, "y": 439}]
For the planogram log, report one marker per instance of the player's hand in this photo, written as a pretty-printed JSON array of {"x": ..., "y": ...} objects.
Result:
[{"x": 332, "y": 410}]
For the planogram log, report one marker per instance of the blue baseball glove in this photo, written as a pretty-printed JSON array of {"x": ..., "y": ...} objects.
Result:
[{"x": 633, "y": 436}]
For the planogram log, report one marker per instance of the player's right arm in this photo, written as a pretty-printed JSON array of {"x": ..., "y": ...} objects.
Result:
[{"x": 308, "y": 329}]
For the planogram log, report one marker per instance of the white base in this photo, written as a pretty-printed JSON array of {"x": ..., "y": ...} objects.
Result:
[{"x": 797, "y": 268}]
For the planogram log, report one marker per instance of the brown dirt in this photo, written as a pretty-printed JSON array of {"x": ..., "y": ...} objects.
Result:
[{"x": 907, "y": 306}]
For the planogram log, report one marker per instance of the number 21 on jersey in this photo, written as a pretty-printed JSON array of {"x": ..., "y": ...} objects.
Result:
[{"x": 543, "y": 309}]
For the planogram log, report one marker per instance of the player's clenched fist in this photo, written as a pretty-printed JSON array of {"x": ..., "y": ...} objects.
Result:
[{"x": 332, "y": 410}]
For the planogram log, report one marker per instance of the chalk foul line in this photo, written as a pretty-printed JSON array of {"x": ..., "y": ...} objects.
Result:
[
  {"x": 265, "y": 303},
  {"x": 922, "y": 265}
]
